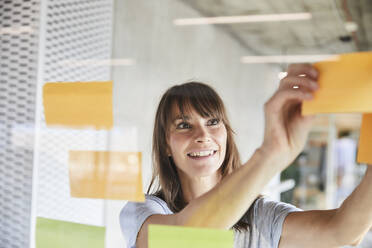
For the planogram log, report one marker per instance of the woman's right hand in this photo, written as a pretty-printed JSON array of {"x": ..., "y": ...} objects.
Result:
[{"x": 286, "y": 130}]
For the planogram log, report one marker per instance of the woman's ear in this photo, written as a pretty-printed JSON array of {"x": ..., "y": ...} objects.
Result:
[{"x": 169, "y": 154}]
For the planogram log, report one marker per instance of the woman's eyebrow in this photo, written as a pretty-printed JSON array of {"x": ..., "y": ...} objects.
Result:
[{"x": 181, "y": 117}]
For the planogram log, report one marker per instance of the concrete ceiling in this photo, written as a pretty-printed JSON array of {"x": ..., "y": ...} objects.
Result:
[{"x": 321, "y": 34}]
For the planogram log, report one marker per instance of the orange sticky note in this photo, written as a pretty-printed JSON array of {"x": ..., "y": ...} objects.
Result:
[
  {"x": 78, "y": 104},
  {"x": 106, "y": 175},
  {"x": 365, "y": 140},
  {"x": 345, "y": 85}
]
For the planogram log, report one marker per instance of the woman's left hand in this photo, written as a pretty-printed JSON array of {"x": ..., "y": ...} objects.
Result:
[{"x": 286, "y": 130}]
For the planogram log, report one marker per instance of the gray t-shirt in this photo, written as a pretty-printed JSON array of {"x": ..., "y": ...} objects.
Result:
[{"x": 268, "y": 218}]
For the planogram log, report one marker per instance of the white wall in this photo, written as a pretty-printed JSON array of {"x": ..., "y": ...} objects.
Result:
[{"x": 166, "y": 55}]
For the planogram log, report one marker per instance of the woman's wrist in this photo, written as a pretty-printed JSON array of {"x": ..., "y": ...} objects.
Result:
[{"x": 276, "y": 158}]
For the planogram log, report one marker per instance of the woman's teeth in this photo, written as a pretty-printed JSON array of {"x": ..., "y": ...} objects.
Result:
[{"x": 201, "y": 154}]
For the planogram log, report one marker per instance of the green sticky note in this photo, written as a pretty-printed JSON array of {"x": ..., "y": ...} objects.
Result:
[
  {"x": 61, "y": 234},
  {"x": 161, "y": 236}
]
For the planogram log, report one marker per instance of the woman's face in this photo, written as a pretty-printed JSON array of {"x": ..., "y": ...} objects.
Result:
[{"x": 196, "y": 144}]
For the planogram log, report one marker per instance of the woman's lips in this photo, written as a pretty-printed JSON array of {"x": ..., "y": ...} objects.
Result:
[{"x": 202, "y": 157}]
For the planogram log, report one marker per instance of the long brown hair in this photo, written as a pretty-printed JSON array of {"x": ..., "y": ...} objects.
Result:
[{"x": 206, "y": 102}]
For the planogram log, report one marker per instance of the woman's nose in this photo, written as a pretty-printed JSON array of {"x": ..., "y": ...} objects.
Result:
[{"x": 202, "y": 135}]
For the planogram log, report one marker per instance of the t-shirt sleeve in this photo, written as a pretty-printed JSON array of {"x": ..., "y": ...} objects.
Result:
[
  {"x": 134, "y": 214},
  {"x": 269, "y": 217}
]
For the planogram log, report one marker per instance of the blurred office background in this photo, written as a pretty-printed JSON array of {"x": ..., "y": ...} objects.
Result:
[{"x": 144, "y": 47}]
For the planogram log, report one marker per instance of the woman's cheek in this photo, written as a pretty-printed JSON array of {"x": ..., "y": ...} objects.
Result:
[
  {"x": 222, "y": 135},
  {"x": 177, "y": 141}
]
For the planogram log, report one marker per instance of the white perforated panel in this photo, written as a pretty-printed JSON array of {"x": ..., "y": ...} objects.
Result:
[{"x": 18, "y": 70}]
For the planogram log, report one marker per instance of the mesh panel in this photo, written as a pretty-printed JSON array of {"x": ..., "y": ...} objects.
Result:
[
  {"x": 76, "y": 30},
  {"x": 18, "y": 70}
]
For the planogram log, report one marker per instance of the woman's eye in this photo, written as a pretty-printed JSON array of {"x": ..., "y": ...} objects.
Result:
[
  {"x": 213, "y": 122},
  {"x": 183, "y": 125}
]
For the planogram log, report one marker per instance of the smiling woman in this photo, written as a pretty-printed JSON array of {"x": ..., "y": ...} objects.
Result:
[
  {"x": 193, "y": 152},
  {"x": 198, "y": 179}
]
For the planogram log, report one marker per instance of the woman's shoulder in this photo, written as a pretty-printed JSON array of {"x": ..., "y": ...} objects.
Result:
[
  {"x": 152, "y": 204},
  {"x": 268, "y": 214},
  {"x": 267, "y": 220},
  {"x": 153, "y": 199},
  {"x": 134, "y": 214},
  {"x": 268, "y": 205}
]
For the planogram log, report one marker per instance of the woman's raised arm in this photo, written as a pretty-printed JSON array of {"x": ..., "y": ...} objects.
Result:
[{"x": 325, "y": 228}]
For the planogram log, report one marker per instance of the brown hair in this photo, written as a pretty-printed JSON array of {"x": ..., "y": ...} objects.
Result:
[{"x": 206, "y": 102}]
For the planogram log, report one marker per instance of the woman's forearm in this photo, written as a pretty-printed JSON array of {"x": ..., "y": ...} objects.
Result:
[
  {"x": 354, "y": 217},
  {"x": 224, "y": 205}
]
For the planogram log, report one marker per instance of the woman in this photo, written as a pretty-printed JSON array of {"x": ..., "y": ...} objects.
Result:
[{"x": 202, "y": 183}]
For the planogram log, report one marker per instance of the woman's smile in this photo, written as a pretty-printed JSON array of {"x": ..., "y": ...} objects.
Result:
[{"x": 202, "y": 154}]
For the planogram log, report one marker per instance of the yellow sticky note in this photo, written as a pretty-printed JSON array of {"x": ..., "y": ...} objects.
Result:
[
  {"x": 78, "y": 104},
  {"x": 60, "y": 234},
  {"x": 345, "y": 85},
  {"x": 106, "y": 175},
  {"x": 365, "y": 140},
  {"x": 162, "y": 236}
]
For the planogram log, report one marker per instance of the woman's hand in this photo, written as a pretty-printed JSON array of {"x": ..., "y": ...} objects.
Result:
[{"x": 286, "y": 130}]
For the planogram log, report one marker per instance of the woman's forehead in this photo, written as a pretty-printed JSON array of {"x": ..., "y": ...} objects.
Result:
[{"x": 187, "y": 112}]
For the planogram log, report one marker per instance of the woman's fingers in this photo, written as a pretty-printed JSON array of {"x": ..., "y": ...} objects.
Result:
[
  {"x": 281, "y": 97},
  {"x": 285, "y": 128},
  {"x": 298, "y": 82},
  {"x": 302, "y": 69}
]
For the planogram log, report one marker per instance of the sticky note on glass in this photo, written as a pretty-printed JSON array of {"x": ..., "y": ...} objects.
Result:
[
  {"x": 78, "y": 104},
  {"x": 345, "y": 85},
  {"x": 162, "y": 236},
  {"x": 106, "y": 175},
  {"x": 365, "y": 140},
  {"x": 62, "y": 234}
]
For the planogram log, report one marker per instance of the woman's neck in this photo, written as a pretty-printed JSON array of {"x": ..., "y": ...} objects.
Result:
[{"x": 194, "y": 187}]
